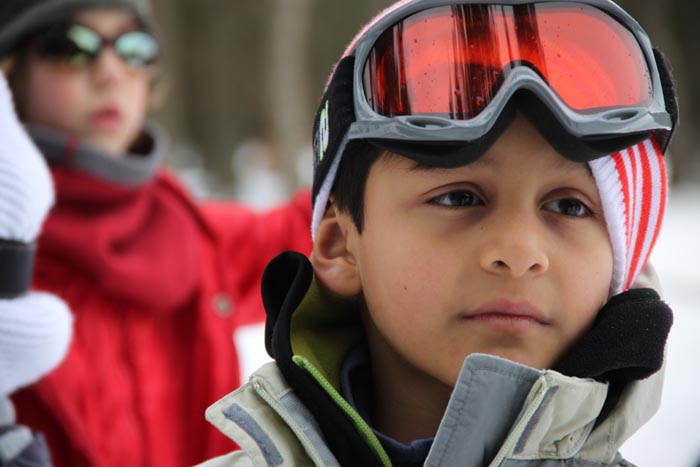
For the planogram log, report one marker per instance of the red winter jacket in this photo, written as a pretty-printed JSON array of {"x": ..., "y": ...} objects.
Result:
[{"x": 158, "y": 285}]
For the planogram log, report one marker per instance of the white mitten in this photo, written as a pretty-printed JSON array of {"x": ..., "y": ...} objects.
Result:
[
  {"x": 35, "y": 328},
  {"x": 26, "y": 189}
]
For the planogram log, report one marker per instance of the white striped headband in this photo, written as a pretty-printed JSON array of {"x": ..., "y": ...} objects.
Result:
[{"x": 633, "y": 190}]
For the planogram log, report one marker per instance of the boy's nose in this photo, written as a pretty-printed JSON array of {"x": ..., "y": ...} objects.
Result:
[
  {"x": 109, "y": 67},
  {"x": 515, "y": 250}
]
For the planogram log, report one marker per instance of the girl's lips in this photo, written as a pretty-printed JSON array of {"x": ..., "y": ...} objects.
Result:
[{"x": 107, "y": 118}]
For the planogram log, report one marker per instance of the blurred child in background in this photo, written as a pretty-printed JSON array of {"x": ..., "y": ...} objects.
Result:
[{"x": 157, "y": 283}]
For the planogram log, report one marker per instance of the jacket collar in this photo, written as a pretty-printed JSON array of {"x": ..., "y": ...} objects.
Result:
[{"x": 251, "y": 417}]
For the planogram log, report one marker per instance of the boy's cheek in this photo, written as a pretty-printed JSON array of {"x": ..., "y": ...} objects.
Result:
[
  {"x": 138, "y": 107},
  {"x": 408, "y": 279},
  {"x": 46, "y": 101}
]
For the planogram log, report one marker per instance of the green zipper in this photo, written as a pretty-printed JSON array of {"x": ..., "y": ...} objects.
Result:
[{"x": 361, "y": 426}]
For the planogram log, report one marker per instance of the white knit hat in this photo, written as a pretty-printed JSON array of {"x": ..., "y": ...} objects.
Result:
[{"x": 633, "y": 188}]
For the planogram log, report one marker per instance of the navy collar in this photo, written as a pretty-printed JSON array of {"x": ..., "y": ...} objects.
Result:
[{"x": 356, "y": 383}]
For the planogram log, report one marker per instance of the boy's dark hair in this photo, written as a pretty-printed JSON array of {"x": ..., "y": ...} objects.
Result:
[{"x": 349, "y": 187}]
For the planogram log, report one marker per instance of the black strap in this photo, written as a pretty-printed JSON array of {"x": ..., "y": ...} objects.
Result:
[
  {"x": 668, "y": 84},
  {"x": 16, "y": 265}
]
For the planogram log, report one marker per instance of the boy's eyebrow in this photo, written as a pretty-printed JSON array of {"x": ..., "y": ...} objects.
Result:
[
  {"x": 420, "y": 166},
  {"x": 561, "y": 163}
]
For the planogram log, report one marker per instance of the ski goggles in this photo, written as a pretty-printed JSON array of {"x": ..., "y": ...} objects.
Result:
[
  {"x": 79, "y": 46},
  {"x": 442, "y": 72}
]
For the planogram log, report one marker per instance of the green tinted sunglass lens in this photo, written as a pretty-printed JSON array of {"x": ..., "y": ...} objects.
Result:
[
  {"x": 85, "y": 40},
  {"x": 137, "y": 48}
]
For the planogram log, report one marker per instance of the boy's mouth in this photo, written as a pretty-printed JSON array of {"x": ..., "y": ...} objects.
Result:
[
  {"x": 507, "y": 312},
  {"x": 107, "y": 118}
]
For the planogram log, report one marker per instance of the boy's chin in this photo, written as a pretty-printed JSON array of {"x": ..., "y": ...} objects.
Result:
[
  {"x": 111, "y": 145},
  {"x": 538, "y": 362}
]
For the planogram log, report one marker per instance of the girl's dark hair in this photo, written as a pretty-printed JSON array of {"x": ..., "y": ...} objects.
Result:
[{"x": 351, "y": 179}]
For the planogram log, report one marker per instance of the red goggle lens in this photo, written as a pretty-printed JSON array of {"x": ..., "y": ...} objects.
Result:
[{"x": 451, "y": 61}]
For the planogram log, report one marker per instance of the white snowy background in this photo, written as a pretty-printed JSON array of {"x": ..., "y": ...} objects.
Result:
[{"x": 672, "y": 437}]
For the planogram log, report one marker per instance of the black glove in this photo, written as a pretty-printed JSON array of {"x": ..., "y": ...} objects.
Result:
[{"x": 625, "y": 343}]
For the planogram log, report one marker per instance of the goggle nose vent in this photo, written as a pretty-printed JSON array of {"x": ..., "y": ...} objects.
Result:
[
  {"x": 622, "y": 115},
  {"x": 425, "y": 122}
]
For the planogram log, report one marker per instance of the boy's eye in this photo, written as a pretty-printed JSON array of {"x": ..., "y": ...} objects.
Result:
[
  {"x": 568, "y": 207},
  {"x": 457, "y": 199}
]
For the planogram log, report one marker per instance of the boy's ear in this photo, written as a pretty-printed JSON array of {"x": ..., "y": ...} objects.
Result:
[{"x": 334, "y": 263}]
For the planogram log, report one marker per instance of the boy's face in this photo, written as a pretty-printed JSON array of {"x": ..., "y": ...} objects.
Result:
[
  {"x": 103, "y": 103},
  {"x": 507, "y": 256}
]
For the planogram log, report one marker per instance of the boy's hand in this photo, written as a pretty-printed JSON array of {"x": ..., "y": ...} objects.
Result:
[
  {"x": 26, "y": 189},
  {"x": 625, "y": 343}
]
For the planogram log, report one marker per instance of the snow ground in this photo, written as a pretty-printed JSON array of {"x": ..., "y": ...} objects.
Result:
[{"x": 672, "y": 437}]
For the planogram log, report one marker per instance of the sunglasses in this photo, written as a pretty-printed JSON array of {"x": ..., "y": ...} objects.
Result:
[{"x": 79, "y": 46}]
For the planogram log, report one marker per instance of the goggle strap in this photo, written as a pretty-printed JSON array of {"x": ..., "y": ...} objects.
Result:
[
  {"x": 334, "y": 116},
  {"x": 668, "y": 85}
]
